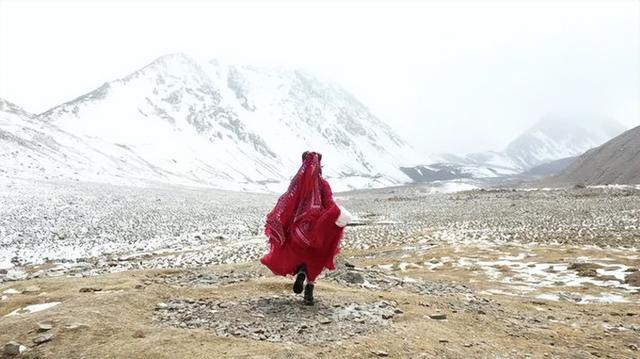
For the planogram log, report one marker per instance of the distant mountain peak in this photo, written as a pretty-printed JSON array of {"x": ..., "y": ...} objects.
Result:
[
  {"x": 552, "y": 141},
  {"x": 552, "y": 138},
  {"x": 174, "y": 65}
]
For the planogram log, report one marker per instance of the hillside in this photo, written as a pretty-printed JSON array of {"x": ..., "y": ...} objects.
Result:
[
  {"x": 179, "y": 121},
  {"x": 615, "y": 162}
]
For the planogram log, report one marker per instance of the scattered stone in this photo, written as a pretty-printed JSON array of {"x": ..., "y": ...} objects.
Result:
[
  {"x": 380, "y": 353},
  {"x": 31, "y": 289},
  {"x": 161, "y": 306},
  {"x": 633, "y": 279},
  {"x": 282, "y": 318},
  {"x": 74, "y": 326},
  {"x": 374, "y": 279},
  {"x": 40, "y": 339},
  {"x": 438, "y": 316},
  {"x": 13, "y": 349},
  {"x": 442, "y": 340},
  {"x": 607, "y": 278},
  {"x": 90, "y": 289},
  {"x": 207, "y": 278},
  {"x": 353, "y": 277},
  {"x": 139, "y": 334},
  {"x": 43, "y": 327},
  {"x": 206, "y": 211},
  {"x": 15, "y": 275},
  {"x": 633, "y": 347},
  {"x": 585, "y": 269}
]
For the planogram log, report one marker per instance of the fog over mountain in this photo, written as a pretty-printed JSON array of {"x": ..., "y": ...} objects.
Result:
[
  {"x": 454, "y": 77},
  {"x": 446, "y": 90},
  {"x": 554, "y": 138}
]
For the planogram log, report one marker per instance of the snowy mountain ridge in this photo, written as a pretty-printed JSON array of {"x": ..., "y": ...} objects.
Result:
[
  {"x": 549, "y": 140},
  {"x": 207, "y": 124},
  {"x": 553, "y": 138}
]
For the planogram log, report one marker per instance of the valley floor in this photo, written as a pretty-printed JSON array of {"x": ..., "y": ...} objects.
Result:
[{"x": 94, "y": 271}]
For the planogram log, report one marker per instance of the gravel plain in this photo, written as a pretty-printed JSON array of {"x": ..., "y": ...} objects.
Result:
[
  {"x": 93, "y": 228},
  {"x": 173, "y": 272}
]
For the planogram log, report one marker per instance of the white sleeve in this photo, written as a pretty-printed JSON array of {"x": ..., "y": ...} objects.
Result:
[{"x": 344, "y": 218}]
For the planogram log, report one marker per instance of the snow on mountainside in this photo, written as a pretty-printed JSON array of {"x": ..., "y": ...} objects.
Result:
[
  {"x": 233, "y": 127},
  {"x": 555, "y": 138},
  {"x": 30, "y": 148},
  {"x": 550, "y": 140}
]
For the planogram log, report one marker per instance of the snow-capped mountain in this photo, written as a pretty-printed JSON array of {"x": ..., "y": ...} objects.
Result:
[
  {"x": 235, "y": 127},
  {"x": 549, "y": 140},
  {"x": 31, "y": 148},
  {"x": 553, "y": 138}
]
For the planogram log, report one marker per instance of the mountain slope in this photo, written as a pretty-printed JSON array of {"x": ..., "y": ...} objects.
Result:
[
  {"x": 615, "y": 162},
  {"x": 30, "y": 148},
  {"x": 550, "y": 168},
  {"x": 544, "y": 149},
  {"x": 234, "y": 127},
  {"x": 553, "y": 138}
]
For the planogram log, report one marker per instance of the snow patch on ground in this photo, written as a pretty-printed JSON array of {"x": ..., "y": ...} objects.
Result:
[
  {"x": 548, "y": 296},
  {"x": 33, "y": 308}
]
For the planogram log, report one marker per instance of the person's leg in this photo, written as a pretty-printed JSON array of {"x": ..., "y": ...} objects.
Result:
[
  {"x": 308, "y": 293},
  {"x": 300, "y": 277}
]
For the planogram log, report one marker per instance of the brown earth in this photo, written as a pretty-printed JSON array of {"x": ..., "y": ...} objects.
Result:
[{"x": 122, "y": 318}]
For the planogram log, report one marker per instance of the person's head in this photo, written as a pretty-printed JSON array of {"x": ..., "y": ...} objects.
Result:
[
  {"x": 319, "y": 156},
  {"x": 305, "y": 153}
]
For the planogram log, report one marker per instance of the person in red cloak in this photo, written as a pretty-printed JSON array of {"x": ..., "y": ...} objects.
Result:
[{"x": 305, "y": 228}]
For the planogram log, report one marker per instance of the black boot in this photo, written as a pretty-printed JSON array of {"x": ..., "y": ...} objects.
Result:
[
  {"x": 300, "y": 277},
  {"x": 308, "y": 294}
]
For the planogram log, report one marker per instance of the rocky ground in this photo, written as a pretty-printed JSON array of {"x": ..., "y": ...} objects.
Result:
[{"x": 95, "y": 271}]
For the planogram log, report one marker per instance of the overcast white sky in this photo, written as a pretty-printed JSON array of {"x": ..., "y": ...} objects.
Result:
[{"x": 454, "y": 76}]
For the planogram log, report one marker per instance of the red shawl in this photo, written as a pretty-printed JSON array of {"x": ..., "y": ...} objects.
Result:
[{"x": 301, "y": 227}]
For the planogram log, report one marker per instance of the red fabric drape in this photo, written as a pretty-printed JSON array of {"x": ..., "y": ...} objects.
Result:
[{"x": 301, "y": 227}]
